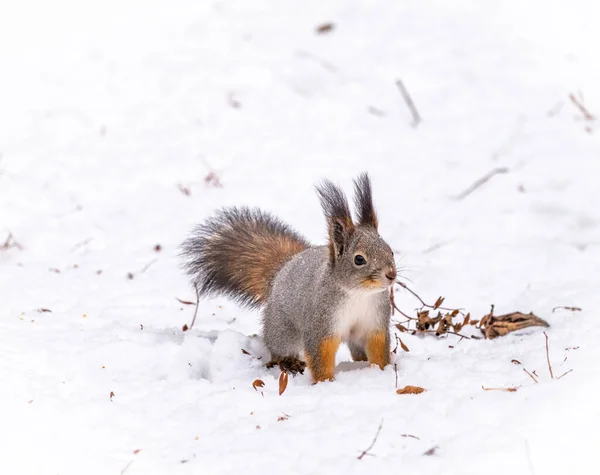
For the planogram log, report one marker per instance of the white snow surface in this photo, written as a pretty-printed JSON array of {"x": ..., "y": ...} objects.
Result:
[{"x": 109, "y": 108}]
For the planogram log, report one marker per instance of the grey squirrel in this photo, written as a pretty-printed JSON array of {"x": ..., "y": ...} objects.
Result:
[{"x": 312, "y": 297}]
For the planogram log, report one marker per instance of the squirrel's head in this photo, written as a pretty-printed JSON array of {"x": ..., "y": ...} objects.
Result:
[{"x": 358, "y": 255}]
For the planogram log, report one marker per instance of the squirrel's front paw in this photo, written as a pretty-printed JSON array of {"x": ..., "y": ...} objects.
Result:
[{"x": 289, "y": 364}]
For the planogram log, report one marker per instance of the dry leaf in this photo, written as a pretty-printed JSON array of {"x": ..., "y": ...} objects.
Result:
[
  {"x": 111, "y": 395},
  {"x": 245, "y": 352},
  {"x": 258, "y": 383},
  {"x": 324, "y": 28},
  {"x": 431, "y": 451},
  {"x": 283, "y": 382},
  {"x": 493, "y": 326},
  {"x": 137, "y": 451},
  {"x": 185, "y": 328},
  {"x": 438, "y": 303},
  {"x": 401, "y": 328},
  {"x": 403, "y": 346},
  {"x": 185, "y": 302},
  {"x": 283, "y": 417},
  {"x": 44, "y": 310},
  {"x": 410, "y": 390}
]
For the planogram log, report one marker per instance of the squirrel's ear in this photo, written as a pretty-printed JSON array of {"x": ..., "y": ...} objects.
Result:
[
  {"x": 339, "y": 221},
  {"x": 363, "y": 199}
]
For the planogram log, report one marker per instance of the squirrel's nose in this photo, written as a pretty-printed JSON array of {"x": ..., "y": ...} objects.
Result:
[{"x": 391, "y": 274}]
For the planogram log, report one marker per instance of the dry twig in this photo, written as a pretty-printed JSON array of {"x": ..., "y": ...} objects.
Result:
[
  {"x": 185, "y": 327},
  {"x": 581, "y": 107},
  {"x": 548, "y": 357},
  {"x": 481, "y": 181},
  {"x": 366, "y": 451},
  {"x": 409, "y": 102}
]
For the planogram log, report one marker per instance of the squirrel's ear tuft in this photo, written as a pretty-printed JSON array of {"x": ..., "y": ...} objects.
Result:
[
  {"x": 363, "y": 200},
  {"x": 339, "y": 221}
]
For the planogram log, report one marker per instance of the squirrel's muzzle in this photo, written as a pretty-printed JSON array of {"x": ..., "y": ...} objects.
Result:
[{"x": 391, "y": 275}]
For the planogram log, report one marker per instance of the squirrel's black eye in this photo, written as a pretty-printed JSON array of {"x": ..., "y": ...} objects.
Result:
[{"x": 359, "y": 260}]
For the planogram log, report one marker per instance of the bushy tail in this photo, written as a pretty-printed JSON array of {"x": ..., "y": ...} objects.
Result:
[{"x": 238, "y": 252}]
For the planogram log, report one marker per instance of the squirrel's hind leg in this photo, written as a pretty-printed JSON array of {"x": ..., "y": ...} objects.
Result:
[
  {"x": 284, "y": 342},
  {"x": 357, "y": 351}
]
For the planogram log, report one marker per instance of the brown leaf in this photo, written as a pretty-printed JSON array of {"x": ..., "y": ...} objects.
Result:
[
  {"x": 258, "y": 383},
  {"x": 185, "y": 302},
  {"x": 245, "y": 352},
  {"x": 185, "y": 328},
  {"x": 137, "y": 451},
  {"x": 157, "y": 248},
  {"x": 401, "y": 328},
  {"x": 438, "y": 303},
  {"x": 431, "y": 451},
  {"x": 111, "y": 395},
  {"x": 324, "y": 28},
  {"x": 403, "y": 346},
  {"x": 410, "y": 390},
  {"x": 467, "y": 319},
  {"x": 283, "y": 417},
  {"x": 283, "y": 382},
  {"x": 493, "y": 326},
  {"x": 44, "y": 310},
  {"x": 515, "y": 361},
  {"x": 473, "y": 322}
]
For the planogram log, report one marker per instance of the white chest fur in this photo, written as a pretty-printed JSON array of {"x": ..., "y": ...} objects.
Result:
[{"x": 357, "y": 315}]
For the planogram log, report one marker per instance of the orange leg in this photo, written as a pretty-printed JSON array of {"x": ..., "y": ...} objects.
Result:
[
  {"x": 322, "y": 362},
  {"x": 378, "y": 348}
]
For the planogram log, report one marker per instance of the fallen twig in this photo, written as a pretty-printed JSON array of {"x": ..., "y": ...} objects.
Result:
[
  {"x": 581, "y": 107},
  {"x": 572, "y": 309},
  {"x": 409, "y": 102},
  {"x": 10, "y": 242},
  {"x": 434, "y": 306},
  {"x": 185, "y": 327},
  {"x": 531, "y": 376},
  {"x": 564, "y": 374},
  {"x": 366, "y": 451},
  {"x": 481, "y": 181},
  {"x": 508, "y": 390},
  {"x": 548, "y": 357}
]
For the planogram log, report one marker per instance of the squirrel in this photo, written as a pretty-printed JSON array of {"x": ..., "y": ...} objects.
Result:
[{"x": 312, "y": 297}]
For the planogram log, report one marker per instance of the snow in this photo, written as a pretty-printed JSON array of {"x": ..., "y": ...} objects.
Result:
[{"x": 109, "y": 109}]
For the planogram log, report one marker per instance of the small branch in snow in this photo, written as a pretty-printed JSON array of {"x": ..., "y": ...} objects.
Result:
[
  {"x": 366, "y": 451},
  {"x": 434, "y": 307},
  {"x": 409, "y": 102},
  {"x": 572, "y": 309},
  {"x": 185, "y": 327},
  {"x": 531, "y": 376},
  {"x": 481, "y": 181},
  {"x": 581, "y": 107},
  {"x": 126, "y": 467},
  {"x": 548, "y": 357},
  {"x": 564, "y": 374},
  {"x": 10, "y": 242}
]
